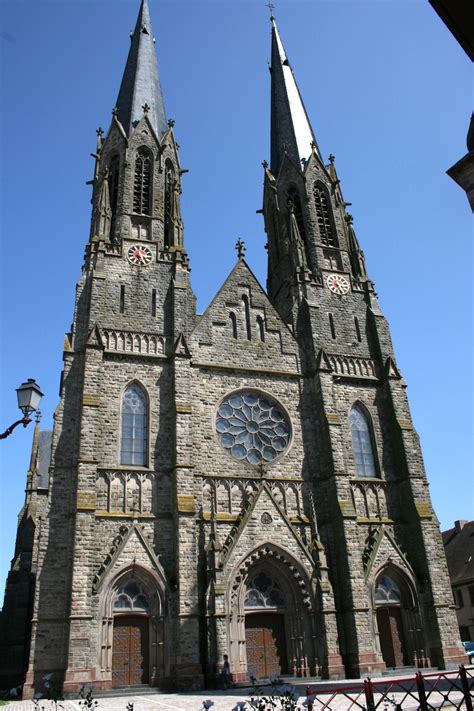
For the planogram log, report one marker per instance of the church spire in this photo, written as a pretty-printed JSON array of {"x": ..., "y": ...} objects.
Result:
[
  {"x": 291, "y": 130},
  {"x": 141, "y": 80}
]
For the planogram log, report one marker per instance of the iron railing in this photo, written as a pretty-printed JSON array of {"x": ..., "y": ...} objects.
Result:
[{"x": 426, "y": 692}]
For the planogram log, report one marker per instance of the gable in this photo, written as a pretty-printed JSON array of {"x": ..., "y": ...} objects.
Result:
[{"x": 241, "y": 328}]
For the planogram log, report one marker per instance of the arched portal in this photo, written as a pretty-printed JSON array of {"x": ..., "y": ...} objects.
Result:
[
  {"x": 397, "y": 617},
  {"x": 133, "y": 637},
  {"x": 265, "y": 635},
  {"x": 271, "y": 625}
]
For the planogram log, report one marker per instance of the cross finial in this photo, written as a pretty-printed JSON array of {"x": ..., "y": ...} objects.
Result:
[
  {"x": 240, "y": 247},
  {"x": 170, "y": 123},
  {"x": 265, "y": 164},
  {"x": 115, "y": 112},
  {"x": 100, "y": 132},
  {"x": 271, "y": 7},
  {"x": 313, "y": 145},
  {"x": 332, "y": 158},
  {"x": 145, "y": 108}
]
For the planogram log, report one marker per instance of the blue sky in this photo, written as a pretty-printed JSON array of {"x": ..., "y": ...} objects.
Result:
[{"x": 388, "y": 91}]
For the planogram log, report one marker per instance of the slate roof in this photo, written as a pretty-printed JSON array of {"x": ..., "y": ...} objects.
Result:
[
  {"x": 290, "y": 124},
  {"x": 44, "y": 458},
  {"x": 141, "y": 80},
  {"x": 459, "y": 549}
]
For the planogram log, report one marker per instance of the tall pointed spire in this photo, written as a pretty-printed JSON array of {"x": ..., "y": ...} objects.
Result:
[
  {"x": 291, "y": 130},
  {"x": 141, "y": 80}
]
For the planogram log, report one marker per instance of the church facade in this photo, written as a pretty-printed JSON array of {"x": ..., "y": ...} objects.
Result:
[{"x": 245, "y": 482}]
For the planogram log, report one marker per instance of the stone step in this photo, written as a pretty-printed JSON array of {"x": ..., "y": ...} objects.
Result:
[
  {"x": 407, "y": 671},
  {"x": 139, "y": 690}
]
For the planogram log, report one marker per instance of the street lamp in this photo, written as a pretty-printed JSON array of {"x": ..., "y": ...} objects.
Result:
[{"x": 29, "y": 396}]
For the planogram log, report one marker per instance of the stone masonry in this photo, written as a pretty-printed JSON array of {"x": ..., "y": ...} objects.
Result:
[{"x": 280, "y": 511}]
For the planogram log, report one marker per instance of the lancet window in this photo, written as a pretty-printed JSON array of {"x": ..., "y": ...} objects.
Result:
[
  {"x": 362, "y": 442},
  {"x": 327, "y": 234},
  {"x": 142, "y": 182},
  {"x": 114, "y": 172},
  {"x": 134, "y": 437}
]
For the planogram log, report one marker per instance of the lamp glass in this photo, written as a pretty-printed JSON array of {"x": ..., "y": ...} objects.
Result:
[{"x": 29, "y": 396}]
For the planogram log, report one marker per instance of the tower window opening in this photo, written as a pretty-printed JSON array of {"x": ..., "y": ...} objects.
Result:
[
  {"x": 134, "y": 437},
  {"x": 153, "y": 302},
  {"x": 332, "y": 326},
  {"x": 361, "y": 432},
  {"x": 357, "y": 328},
  {"x": 142, "y": 183},
  {"x": 233, "y": 324},
  {"x": 122, "y": 299},
  {"x": 327, "y": 234},
  {"x": 261, "y": 328},
  {"x": 114, "y": 172},
  {"x": 248, "y": 327}
]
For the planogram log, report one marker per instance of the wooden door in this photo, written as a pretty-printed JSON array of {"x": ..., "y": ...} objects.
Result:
[
  {"x": 265, "y": 641},
  {"x": 392, "y": 644},
  {"x": 130, "y": 651}
]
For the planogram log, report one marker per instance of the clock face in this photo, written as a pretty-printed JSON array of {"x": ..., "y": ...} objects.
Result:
[
  {"x": 140, "y": 255},
  {"x": 338, "y": 284}
]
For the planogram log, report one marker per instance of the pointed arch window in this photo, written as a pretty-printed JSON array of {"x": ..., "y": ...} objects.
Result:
[
  {"x": 246, "y": 307},
  {"x": 362, "y": 439},
  {"x": 233, "y": 324},
  {"x": 134, "y": 437},
  {"x": 263, "y": 591},
  {"x": 142, "y": 182},
  {"x": 387, "y": 592},
  {"x": 130, "y": 596},
  {"x": 327, "y": 234},
  {"x": 114, "y": 173}
]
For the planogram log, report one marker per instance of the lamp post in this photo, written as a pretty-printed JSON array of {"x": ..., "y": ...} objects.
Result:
[{"x": 29, "y": 396}]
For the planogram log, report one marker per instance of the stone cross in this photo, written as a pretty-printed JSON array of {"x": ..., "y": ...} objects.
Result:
[
  {"x": 145, "y": 108},
  {"x": 240, "y": 247}
]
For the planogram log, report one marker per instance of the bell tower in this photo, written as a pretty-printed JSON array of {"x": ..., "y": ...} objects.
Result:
[
  {"x": 111, "y": 497},
  {"x": 370, "y": 485}
]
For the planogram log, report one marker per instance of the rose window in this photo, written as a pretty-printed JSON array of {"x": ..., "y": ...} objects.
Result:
[{"x": 252, "y": 427}]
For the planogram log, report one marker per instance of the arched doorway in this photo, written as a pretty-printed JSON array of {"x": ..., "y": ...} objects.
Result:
[
  {"x": 389, "y": 604},
  {"x": 272, "y": 624},
  {"x": 131, "y": 638},
  {"x": 134, "y": 638},
  {"x": 265, "y": 634}
]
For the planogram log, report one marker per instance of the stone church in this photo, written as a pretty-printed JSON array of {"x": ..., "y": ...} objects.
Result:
[{"x": 245, "y": 482}]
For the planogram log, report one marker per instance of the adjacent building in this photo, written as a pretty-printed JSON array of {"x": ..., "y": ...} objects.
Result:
[
  {"x": 459, "y": 549},
  {"x": 245, "y": 482}
]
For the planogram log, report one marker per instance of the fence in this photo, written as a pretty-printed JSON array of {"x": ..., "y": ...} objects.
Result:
[{"x": 453, "y": 689}]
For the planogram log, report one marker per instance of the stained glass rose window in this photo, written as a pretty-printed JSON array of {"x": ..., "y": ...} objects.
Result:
[{"x": 252, "y": 427}]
